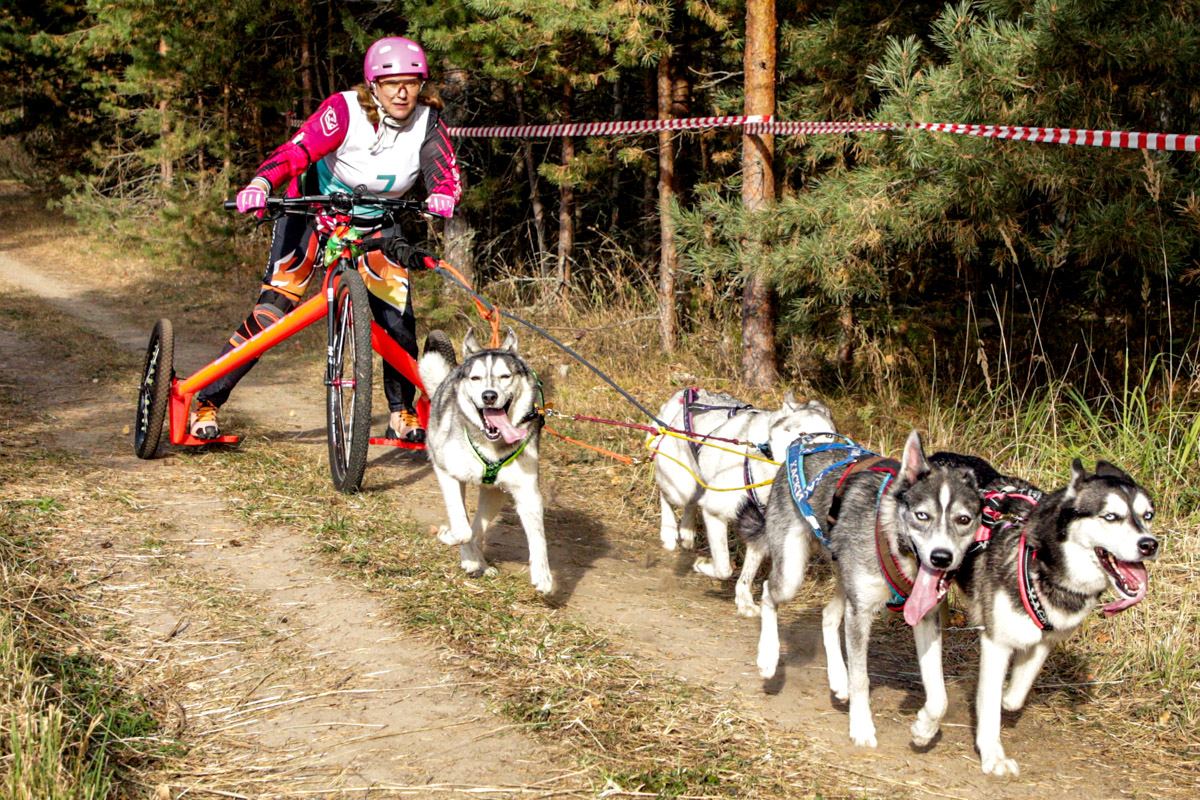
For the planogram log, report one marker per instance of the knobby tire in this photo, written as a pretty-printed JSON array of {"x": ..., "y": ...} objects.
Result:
[
  {"x": 154, "y": 394},
  {"x": 348, "y": 407}
]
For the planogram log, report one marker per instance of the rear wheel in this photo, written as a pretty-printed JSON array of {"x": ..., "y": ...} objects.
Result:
[
  {"x": 349, "y": 392},
  {"x": 155, "y": 391}
]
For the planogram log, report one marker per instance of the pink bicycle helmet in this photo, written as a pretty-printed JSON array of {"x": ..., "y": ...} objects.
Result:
[{"x": 394, "y": 55}]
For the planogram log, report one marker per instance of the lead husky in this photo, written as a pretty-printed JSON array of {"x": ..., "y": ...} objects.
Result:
[
  {"x": 484, "y": 428},
  {"x": 895, "y": 531},
  {"x": 1039, "y": 576},
  {"x": 727, "y": 467}
]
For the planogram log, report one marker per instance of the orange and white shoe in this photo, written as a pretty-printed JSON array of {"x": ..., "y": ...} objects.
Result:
[
  {"x": 409, "y": 429},
  {"x": 204, "y": 421}
]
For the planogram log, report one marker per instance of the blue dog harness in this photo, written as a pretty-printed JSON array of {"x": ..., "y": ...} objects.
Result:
[
  {"x": 857, "y": 458},
  {"x": 802, "y": 488}
]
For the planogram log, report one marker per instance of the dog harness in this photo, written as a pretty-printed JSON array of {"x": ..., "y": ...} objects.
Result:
[
  {"x": 995, "y": 521},
  {"x": 802, "y": 488},
  {"x": 492, "y": 468},
  {"x": 1029, "y": 597},
  {"x": 859, "y": 459},
  {"x": 692, "y": 405},
  {"x": 751, "y": 492}
]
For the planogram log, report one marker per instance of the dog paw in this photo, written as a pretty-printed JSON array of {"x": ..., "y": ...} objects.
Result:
[
  {"x": 863, "y": 734},
  {"x": 838, "y": 687},
  {"x": 670, "y": 545},
  {"x": 923, "y": 730},
  {"x": 543, "y": 584},
  {"x": 749, "y": 609},
  {"x": 767, "y": 665},
  {"x": 476, "y": 569},
  {"x": 687, "y": 540},
  {"x": 1012, "y": 703},
  {"x": 446, "y": 535},
  {"x": 705, "y": 566},
  {"x": 999, "y": 766}
]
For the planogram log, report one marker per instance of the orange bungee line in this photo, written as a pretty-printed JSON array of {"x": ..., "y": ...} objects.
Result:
[{"x": 491, "y": 316}]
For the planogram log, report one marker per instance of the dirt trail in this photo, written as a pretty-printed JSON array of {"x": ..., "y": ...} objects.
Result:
[{"x": 428, "y": 727}]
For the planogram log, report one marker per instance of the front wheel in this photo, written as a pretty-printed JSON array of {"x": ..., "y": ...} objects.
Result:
[
  {"x": 348, "y": 410},
  {"x": 154, "y": 393}
]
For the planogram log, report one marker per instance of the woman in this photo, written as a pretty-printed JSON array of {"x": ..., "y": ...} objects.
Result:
[{"x": 381, "y": 135}]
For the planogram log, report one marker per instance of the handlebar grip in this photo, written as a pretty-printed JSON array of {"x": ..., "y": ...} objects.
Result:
[{"x": 229, "y": 205}]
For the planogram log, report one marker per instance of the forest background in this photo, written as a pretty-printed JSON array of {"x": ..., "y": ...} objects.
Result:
[{"x": 894, "y": 254}]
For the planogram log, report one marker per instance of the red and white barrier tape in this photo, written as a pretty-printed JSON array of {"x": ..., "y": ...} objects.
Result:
[
  {"x": 756, "y": 124},
  {"x": 1118, "y": 139},
  {"x": 609, "y": 128}
]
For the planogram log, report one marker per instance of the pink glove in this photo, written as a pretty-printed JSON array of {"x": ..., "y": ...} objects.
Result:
[
  {"x": 252, "y": 198},
  {"x": 441, "y": 205}
]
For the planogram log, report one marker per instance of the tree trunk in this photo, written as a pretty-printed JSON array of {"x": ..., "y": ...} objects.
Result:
[
  {"x": 306, "y": 78},
  {"x": 535, "y": 196},
  {"x": 226, "y": 141},
  {"x": 758, "y": 192},
  {"x": 458, "y": 235},
  {"x": 166, "y": 168},
  {"x": 566, "y": 214},
  {"x": 615, "y": 187},
  {"x": 667, "y": 264}
]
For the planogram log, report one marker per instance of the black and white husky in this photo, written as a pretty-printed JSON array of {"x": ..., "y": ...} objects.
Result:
[
  {"x": 896, "y": 531},
  {"x": 1041, "y": 573},
  {"x": 733, "y": 472},
  {"x": 484, "y": 428}
]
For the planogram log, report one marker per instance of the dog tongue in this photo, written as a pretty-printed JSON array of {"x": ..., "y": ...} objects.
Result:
[
  {"x": 1134, "y": 574},
  {"x": 499, "y": 419},
  {"x": 924, "y": 595}
]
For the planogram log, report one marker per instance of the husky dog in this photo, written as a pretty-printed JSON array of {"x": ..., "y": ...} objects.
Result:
[
  {"x": 484, "y": 428},
  {"x": 895, "y": 532},
  {"x": 773, "y": 431},
  {"x": 737, "y": 466},
  {"x": 697, "y": 412},
  {"x": 1041, "y": 573}
]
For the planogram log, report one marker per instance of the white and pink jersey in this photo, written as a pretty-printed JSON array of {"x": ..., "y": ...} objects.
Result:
[{"x": 346, "y": 151}]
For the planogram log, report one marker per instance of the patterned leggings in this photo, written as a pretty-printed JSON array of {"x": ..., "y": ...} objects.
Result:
[{"x": 295, "y": 247}]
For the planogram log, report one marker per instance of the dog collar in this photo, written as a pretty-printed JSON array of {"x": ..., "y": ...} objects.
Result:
[
  {"x": 1029, "y": 597},
  {"x": 899, "y": 583},
  {"x": 492, "y": 468},
  {"x": 993, "y": 520}
]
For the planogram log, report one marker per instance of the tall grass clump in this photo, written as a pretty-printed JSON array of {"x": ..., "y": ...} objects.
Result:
[
  {"x": 45, "y": 755},
  {"x": 66, "y": 720}
]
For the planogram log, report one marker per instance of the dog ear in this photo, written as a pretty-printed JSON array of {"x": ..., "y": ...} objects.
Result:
[
  {"x": 1112, "y": 471},
  {"x": 471, "y": 345},
  {"x": 913, "y": 463},
  {"x": 817, "y": 407},
  {"x": 510, "y": 341},
  {"x": 1078, "y": 476},
  {"x": 790, "y": 403}
]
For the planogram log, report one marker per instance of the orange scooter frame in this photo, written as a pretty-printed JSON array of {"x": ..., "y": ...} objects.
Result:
[{"x": 312, "y": 310}]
